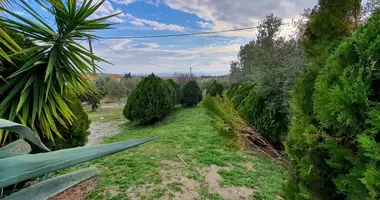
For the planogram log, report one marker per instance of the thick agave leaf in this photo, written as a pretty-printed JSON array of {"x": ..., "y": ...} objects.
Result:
[
  {"x": 19, "y": 168},
  {"x": 16, "y": 148},
  {"x": 53, "y": 186},
  {"x": 23, "y": 131}
]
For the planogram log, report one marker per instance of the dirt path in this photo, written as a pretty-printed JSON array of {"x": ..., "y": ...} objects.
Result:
[
  {"x": 99, "y": 131},
  {"x": 105, "y": 123}
]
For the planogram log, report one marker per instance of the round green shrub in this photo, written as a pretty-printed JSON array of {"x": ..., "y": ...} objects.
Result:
[
  {"x": 215, "y": 89},
  {"x": 74, "y": 135},
  {"x": 191, "y": 94},
  {"x": 149, "y": 102}
]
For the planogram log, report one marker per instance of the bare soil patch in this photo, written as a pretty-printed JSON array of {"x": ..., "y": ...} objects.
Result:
[
  {"x": 99, "y": 131},
  {"x": 78, "y": 192},
  {"x": 174, "y": 180},
  {"x": 213, "y": 179}
]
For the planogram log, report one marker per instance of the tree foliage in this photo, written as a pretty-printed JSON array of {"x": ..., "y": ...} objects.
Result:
[
  {"x": 268, "y": 67},
  {"x": 191, "y": 94},
  {"x": 183, "y": 78},
  {"x": 150, "y": 102},
  {"x": 177, "y": 90},
  {"x": 215, "y": 89},
  {"x": 332, "y": 107}
]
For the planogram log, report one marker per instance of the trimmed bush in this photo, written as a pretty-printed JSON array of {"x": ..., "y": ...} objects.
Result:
[
  {"x": 173, "y": 94},
  {"x": 260, "y": 110},
  {"x": 335, "y": 146},
  {"x": 267, "y": 116},
  {"x": 177, "y": 90},
  {"x": 150, "y": 101},
  {"x": 74, "y": 135},
  {"x": 215, "y": 89},
  {"x": 191, "y": 94}
]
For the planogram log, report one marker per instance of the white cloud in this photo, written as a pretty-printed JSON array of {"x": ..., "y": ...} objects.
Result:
[
  {"x": 144, "y": 46},
  {"x": 205, "y": 25},
  {"x": 204, "y": 58},
  {"x": 229, "y": 14},
  {"x": 155, "y": 25},
  {"x": 209, "y": 59},
  {"x": 117, "y": 44},
  {"x": 126, "y": 2},
  {"x": 107, "y": 9}
]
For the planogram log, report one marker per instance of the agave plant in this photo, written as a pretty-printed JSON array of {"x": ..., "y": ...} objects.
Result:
[
  {"x": 17, "y": 165},
  {"x": 33, "y": 89}
]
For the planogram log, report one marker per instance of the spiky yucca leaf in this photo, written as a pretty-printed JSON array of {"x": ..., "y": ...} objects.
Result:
[
  {"x": 29, "y": 166},
  {"x": 35, "y": 89},
  {"x": 53, "y": 186},
  {"x": 16, "y": 148},
  {"x": 16, "y": 165}
]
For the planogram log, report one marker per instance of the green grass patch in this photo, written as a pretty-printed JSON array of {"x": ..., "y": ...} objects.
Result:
[{"x": 190, "y": 134}]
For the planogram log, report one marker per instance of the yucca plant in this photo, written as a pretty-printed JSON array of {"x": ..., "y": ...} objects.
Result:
[
  {"x": 17, "y": 165},
  {"x": 33, "y": 89},
  {"x": 6, "y": 43}
]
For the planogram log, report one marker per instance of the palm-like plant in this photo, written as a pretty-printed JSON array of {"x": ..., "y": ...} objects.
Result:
[
  {"x": 7, "y": 42},
  {"x": 52, "y": 65}
]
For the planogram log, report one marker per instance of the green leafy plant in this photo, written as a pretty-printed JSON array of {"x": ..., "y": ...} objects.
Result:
[
  {"x": 172, "y": 92},
  {"x": 26, "y": 166},
  {"x": 33, "y": 91},
  {"x": 215, "y": 89},
  {"x": 75, "y": 134},
  {"x": 334, "y": 134},
  {"x": 191, "y": 94},
  {"x": 177, "y": 89},
  {"x": 150, "y": 101}
]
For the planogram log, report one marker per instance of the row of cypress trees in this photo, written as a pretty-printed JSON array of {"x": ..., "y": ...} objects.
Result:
[
  {"x": 155, "y": 98},
  {"x": 334, "y": 140}
]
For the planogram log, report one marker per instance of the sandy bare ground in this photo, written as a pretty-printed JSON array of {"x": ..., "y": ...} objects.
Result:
[
  {"x": 174, "y": 174},
  {"x": 99, "y": 131},
  {"x": 101, "y": 127}
]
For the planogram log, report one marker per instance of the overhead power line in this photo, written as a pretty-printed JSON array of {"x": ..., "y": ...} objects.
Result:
[
  {"x": 184, "y": 34},
  {"x": 138, "y": 60}
]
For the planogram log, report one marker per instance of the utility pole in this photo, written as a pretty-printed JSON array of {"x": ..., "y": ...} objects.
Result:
[
  {"x": 92, "y": 58},
  {"x": 191, "y": 75}
]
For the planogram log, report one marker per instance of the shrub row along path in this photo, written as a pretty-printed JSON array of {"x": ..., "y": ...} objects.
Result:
[{"x": 211, "y": 167}]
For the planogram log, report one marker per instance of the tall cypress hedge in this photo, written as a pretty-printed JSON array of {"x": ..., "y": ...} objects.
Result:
[{"x": 335, "y": 146}]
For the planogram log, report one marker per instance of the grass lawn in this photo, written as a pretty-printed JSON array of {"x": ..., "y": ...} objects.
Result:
[{"x": 212, "y": 168}]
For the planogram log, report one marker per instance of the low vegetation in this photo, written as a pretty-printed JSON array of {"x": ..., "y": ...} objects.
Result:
[
  {"x": 215, "y": 89},
  {"x": 75, "y": 134}
]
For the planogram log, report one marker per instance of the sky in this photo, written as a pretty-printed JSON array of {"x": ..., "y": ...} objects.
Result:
[{"x": 206, "y": 54}]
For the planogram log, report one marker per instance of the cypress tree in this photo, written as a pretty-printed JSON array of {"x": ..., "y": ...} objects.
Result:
[{"x": 330, "y": 23}]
